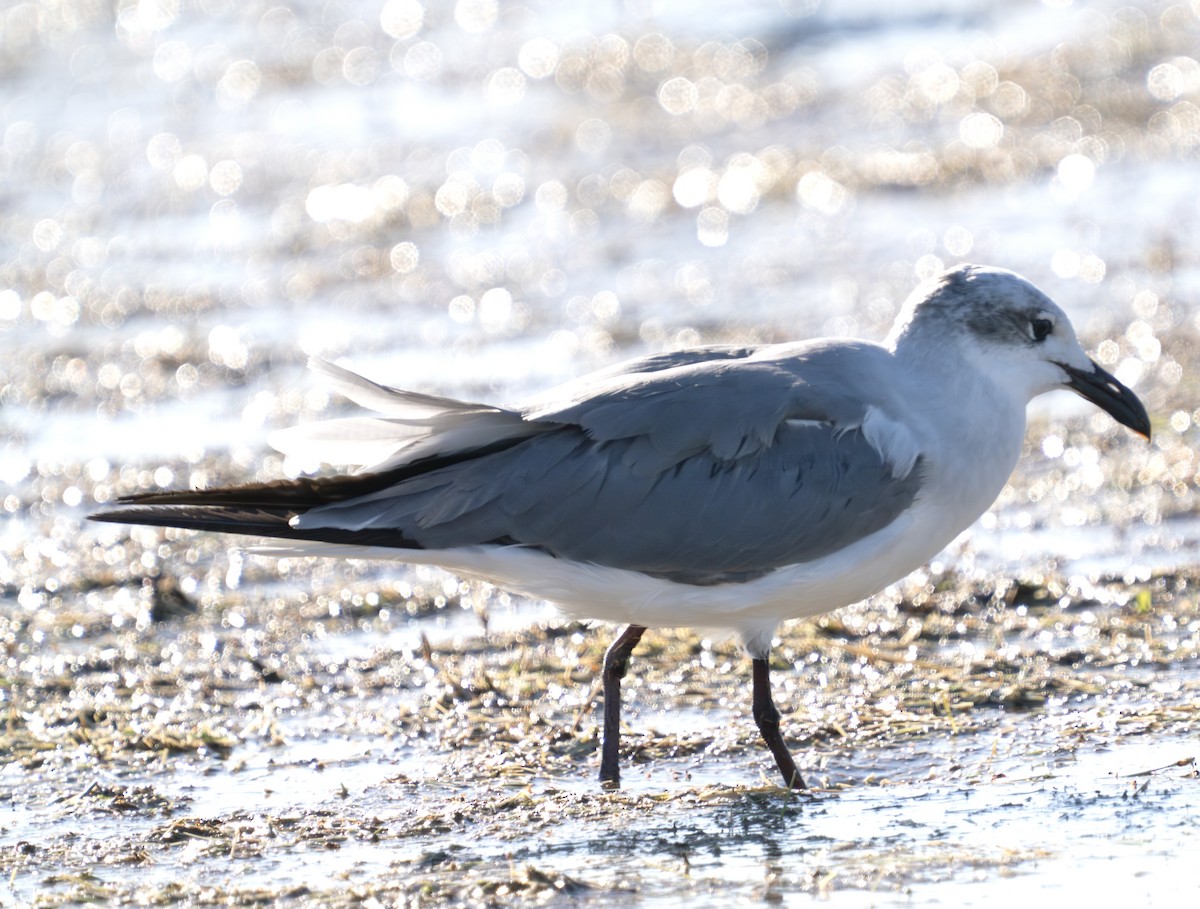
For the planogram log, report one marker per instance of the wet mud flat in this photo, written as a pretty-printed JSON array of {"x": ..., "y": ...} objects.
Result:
[{"x": 376, "y": 744}]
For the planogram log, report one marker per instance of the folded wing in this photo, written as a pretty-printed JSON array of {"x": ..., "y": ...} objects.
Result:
[{"x": 719, "y": 464}]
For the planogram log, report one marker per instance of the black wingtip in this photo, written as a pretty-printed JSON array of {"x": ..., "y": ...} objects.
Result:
[
  {"x": 106, "y": 517},
  {"x": 219, "y": 518},
  {"x": 251, "y": 521}
]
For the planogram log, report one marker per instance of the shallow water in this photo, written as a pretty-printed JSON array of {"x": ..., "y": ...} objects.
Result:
[{"x": 483, "y": 199}]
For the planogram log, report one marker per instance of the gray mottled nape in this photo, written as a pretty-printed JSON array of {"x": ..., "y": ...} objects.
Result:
[{"x": 993, "y": 305}]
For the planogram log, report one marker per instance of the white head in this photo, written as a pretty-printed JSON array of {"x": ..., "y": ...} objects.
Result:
[{"x": 1012, "y": 331}]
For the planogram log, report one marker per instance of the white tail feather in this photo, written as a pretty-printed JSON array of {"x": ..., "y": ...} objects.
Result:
[
  {"x": 396, "y": 403},
  {"x": 411, "y": 426}
]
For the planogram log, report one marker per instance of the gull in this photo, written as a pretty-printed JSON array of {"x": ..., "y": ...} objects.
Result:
[{"x": 729, "y": 487}]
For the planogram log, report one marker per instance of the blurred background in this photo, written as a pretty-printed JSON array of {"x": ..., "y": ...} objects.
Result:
[{"x": 482, "y": 198}]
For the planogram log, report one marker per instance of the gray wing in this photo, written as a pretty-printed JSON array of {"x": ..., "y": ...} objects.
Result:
[
  {"x": 585, "y": 385},
  {"x": 704, "y": 471},
  {"x": 810, "y": 493},
  {"x": 731, "y": 406}
]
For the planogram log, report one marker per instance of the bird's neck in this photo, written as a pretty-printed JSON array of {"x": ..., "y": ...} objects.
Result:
[{"x": 975, "y": 422}]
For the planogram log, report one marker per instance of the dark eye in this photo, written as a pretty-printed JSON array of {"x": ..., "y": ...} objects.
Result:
[{"x": 1041, "y": 328}]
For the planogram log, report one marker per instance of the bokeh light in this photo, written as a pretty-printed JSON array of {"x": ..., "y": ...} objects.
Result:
[{"x": 431, "y": 181}]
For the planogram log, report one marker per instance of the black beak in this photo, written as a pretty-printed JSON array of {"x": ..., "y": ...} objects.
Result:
[{"x": 1103, "y": 390}]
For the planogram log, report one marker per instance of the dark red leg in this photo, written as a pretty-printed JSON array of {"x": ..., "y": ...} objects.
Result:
[
  {"x": 766, "y": 715},
  {"x": 616, "y": 664}
]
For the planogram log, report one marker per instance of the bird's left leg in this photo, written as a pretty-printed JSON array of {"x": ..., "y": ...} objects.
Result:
[
  {"x": 766, "y": 715},
  {"x": 616, "y": 664}
]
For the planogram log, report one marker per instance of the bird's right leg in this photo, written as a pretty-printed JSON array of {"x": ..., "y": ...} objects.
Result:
[
  {"x": 616, "y": 664},
  {"x": 766, "y": 716}
]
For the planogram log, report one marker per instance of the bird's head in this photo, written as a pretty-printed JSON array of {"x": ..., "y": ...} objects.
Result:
[{"x": 1013, "y": 332}]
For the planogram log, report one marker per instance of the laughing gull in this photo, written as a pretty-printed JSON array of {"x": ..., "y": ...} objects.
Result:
[{"x": 720, "y": 487}]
